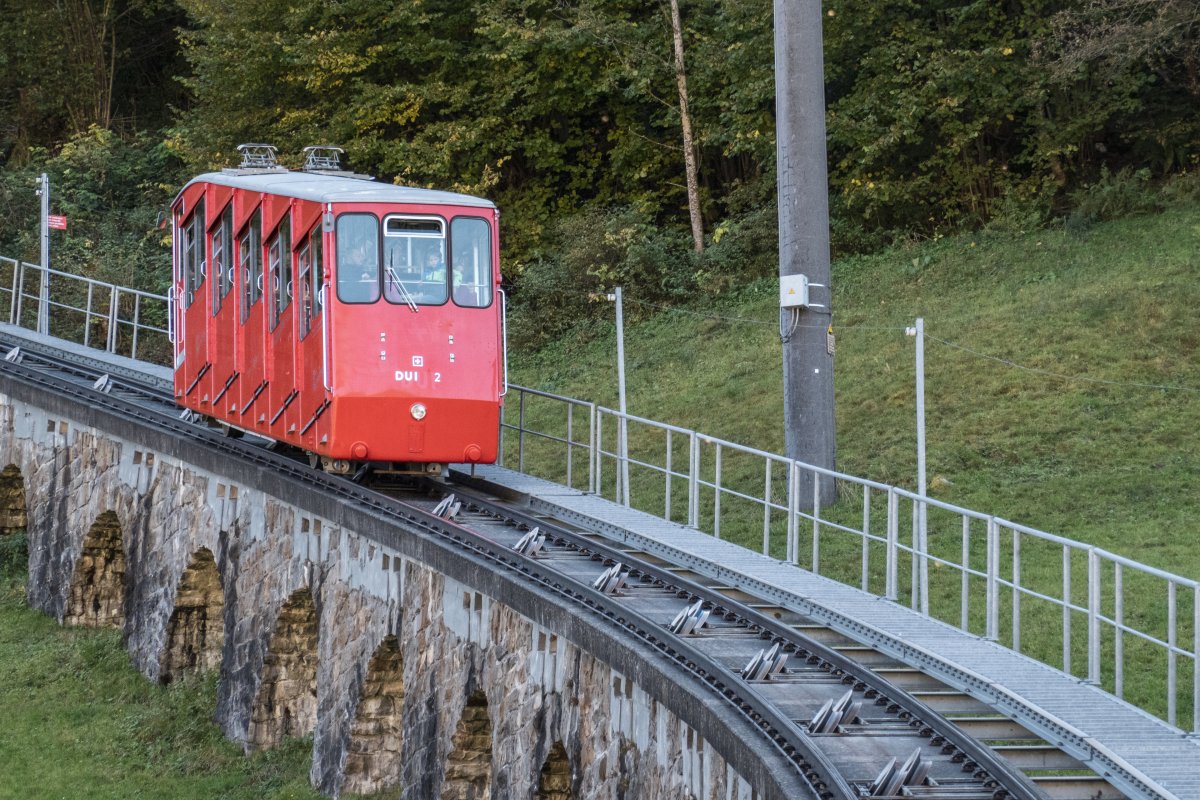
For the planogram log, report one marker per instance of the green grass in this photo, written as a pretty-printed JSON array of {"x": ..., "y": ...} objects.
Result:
[
  {"x": 1092, "y": 456},
  {"x": 1113, "y": 465},
  {"x": 80, "y": 721}
]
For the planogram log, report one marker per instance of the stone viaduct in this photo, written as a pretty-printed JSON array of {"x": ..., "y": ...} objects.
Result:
[{"x": 414, "y": 669}]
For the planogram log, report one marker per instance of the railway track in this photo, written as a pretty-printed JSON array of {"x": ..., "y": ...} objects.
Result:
[{"x": 850, "y": 722}]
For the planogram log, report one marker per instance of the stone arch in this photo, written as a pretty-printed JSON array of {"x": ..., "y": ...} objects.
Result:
[
  {"x": 97, "y": 594},
  {"x": 286, "y": 701},
  {"x": 469, "y": 765},
  {"x": 554, "y": 781},
  {"x": 196, "y": 630},
  {"x": 12, "y": 500},
  {"x": 373, "y": 754}
]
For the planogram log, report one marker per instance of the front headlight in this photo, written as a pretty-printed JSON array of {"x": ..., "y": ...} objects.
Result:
[{"x": 418, "y": 411}]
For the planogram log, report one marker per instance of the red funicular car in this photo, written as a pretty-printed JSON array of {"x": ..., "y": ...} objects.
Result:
[{"x": 359, "y": 321}]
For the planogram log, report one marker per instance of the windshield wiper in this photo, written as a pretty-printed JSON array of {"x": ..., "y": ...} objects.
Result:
[{"x": 404, "y": 293}]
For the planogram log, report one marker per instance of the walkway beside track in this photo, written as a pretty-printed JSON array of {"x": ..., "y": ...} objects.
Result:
[{"x": 1139, "y": 754}]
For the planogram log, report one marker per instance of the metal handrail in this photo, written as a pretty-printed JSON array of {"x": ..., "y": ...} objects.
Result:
[
  {"x": 987, "y": 577},
  {"x": 124, "y": 330}
]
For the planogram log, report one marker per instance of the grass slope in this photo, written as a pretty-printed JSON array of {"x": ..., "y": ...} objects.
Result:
[
  {"x": 1109, "y": 463},
  {"x": 80, "y": 721}
]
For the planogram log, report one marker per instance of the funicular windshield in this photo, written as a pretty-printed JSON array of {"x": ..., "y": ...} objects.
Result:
[
  {"x": 411, "y": 264},
  {"x": 414, "y": 260}
]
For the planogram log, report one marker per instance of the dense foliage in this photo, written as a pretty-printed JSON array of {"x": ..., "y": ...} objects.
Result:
[{"x": 941, "y": 114}]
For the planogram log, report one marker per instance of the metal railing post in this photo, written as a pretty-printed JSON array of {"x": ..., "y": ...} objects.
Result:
[
  {"x": 864, "y": 575},
  {"x": 667, "y": 488},
  {"x": 923, "y": 535},
  {"x": 20, "y": 295},
  {"x": 137, "y": 312},
  {"x": 87, "y": 316},
  {"x": 1066, "y": 609},
  {"x": 1172, "y": 653},
  {"x": 500, "y": 441},
  {"x": 766, "y": 538},
  {"x": 1118, "y": 633},
  {"x": 694, "y": 482},
  {"x": 914, "y": 570},
  {"x": 1093, "y": 617},
  {"x": 965, "y": 579},
  {"x": 1016, "y": 592},
  {"x": 816, "y": 524},
  {"x": 1196, "y": 661},
  {"x": 570, "y": 442},
  {"x": 14, "y": 306},
  {"x": 599, "y": 453},
  {"x": 113, "y": 315},
  {"x": 793, "y": 490},
  {"x": 893, "y": 545},
  {"x": 521, "y": 433},
  {"x": 717, "y": 493},
  {"x": 993, "y": 580},
  {"x": 593, "y": 449}
]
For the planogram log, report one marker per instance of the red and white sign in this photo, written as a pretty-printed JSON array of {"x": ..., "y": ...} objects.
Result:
[{"x": 56, "y": 221}]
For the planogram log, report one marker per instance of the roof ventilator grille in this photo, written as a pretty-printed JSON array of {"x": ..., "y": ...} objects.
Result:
[
  {"x": 257, "y": 156},
  {"x": 323, "y": 158}
]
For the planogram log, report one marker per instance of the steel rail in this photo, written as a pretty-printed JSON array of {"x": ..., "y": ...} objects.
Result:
[{"x": 956, "y": 744}]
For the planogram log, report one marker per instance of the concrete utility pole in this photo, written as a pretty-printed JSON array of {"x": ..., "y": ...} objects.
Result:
[{"x": 804, "y": 237}]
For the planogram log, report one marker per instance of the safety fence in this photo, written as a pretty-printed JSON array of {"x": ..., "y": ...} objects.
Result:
[
  {"x": 103, "y": 315},
  {"x": 1131, "y": 628},
  {"x": 1126, "y": 626}
]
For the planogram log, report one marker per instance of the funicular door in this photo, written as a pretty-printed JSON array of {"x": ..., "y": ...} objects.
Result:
[
  {"x": 281, "y": 331},
  {"x": 250, "y": 385},
  {"x": 222, "y": 327},
  {"x": 191, "y": 375},
  {"x": 312, "y": 349}
]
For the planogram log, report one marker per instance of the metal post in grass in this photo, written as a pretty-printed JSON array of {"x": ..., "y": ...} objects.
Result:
[
  {"x": 623, "y": 428},
  {"x": 43, "y": 318},
  {"x": 918, "y": 331}
]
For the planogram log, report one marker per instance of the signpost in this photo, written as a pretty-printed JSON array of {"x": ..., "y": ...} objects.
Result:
[
  {"x": 57, "y": 221},
  {"x": 43, "y": 318}
]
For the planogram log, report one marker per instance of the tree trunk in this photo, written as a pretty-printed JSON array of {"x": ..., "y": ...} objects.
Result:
[{"x": 689, "y": 145}]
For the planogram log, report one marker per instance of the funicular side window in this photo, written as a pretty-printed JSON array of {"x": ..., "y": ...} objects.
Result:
[
  {"x": 222, "y": 257},
  {"x": 250, "y": 261},
  {"x": 414, "y": 260},
  {"x": 193, "y": 254},
  {"x": 471, "y": 260},
  {"x": 279, "y": 268},
  {"x": 358, "y": 258},
  {"x": 310, "y": 279}
]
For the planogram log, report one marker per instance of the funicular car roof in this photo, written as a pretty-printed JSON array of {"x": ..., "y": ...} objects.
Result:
[{"x": 334, "y": 188}]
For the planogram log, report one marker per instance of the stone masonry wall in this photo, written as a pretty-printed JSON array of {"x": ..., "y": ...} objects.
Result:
[{"x": 416, "y": 675}]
